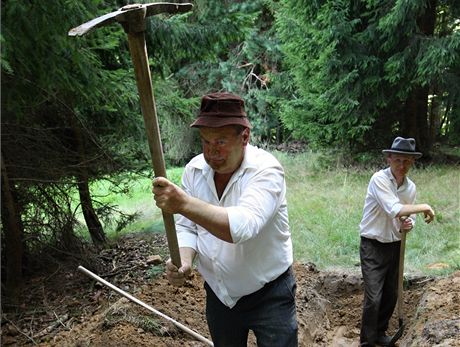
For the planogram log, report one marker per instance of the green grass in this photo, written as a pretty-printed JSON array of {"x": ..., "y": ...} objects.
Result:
[
  {"x": 134, "y": 197},
  {"x": 324, "y": 211},
  {"x": 325, "y": 208},
  {"x": 437, "y": 243},
  {"x": 325, "y": 202}
]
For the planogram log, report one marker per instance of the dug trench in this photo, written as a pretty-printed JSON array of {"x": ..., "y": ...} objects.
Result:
[{"x": 64, "y": 307}]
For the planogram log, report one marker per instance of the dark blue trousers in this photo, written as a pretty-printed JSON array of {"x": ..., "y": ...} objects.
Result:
[
  {"x": 380, "y": 267},
  {"x": 270, "y": 313}
]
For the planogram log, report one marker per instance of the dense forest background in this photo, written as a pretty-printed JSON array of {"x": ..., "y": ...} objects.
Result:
[{"x": 341, "y": 75}]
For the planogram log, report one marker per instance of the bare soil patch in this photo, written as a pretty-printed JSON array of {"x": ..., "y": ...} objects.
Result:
[{"x": 68, "y": 308}]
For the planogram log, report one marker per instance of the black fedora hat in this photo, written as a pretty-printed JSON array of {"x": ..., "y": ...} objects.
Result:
[{"x": 403, "y": 146}]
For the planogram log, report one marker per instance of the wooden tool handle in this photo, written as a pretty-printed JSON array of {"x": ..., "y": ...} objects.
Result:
[
  {"x": 143, "y": 304},
  {"x": 402, "y": 251},
  {"x": 138, "y": 52}
]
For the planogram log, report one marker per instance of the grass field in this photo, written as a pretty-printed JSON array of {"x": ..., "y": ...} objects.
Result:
[
  {"x": 325, "y": 208},
  {"x": 325, "y": 204}
]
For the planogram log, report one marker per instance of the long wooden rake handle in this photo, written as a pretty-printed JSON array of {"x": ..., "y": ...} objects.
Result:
[{"x": 143, "y": 304}]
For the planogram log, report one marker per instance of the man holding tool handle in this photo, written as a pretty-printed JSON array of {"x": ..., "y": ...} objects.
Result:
[
  {"x": 232, "y": 216},
  {"x": 233, "y": 207},
  {"x": 389, "y": 212}
]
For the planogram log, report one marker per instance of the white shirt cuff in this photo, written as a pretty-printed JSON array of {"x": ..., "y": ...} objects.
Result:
[
  {"x": 239, "y": 221},
  {"x": 395, "y": 210},
  {"x": 186, "y": 239}
]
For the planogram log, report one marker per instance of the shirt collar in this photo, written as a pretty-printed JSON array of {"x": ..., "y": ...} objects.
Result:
[
  {"x": 248, "y": 162},
  {"x": 393, "y": 179}
]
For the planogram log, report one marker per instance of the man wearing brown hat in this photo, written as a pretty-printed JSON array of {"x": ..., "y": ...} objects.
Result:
[
  {"x": 389, "y": 200},
  {"x": 232, "y": 216}
]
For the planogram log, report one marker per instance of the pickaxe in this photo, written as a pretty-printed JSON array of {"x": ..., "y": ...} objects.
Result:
[{"x": 133, "y": 19}]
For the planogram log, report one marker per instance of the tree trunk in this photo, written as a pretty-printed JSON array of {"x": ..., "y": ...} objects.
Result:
[
  {"x": 13, "y": 229},
  {"x": 95, "y": 228},
  {"x": 417, "y": 121},
  {"x": 434, "y": 116},
  {"x": 93, "y": 224}
]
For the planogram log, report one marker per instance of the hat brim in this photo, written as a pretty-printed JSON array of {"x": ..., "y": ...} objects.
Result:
[
  {"x": 413, "y": 154},
  {"x": 217, "y": 122}
]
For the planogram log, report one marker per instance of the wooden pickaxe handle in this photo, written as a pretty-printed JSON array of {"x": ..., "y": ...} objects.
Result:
[
  {"x": 133, "y": 18},
  {"x": 139, "y": 57}
]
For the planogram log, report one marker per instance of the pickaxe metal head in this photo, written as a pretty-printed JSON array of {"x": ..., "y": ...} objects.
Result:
[{"x": 126, "y": 14}]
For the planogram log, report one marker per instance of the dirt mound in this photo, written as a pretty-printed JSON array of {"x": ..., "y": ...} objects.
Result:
[
  {"x": 68, "y": 308},
  {"x": 437, "y": 319}
]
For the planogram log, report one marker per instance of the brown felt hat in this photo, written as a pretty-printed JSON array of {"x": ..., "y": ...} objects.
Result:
[{"x": 221, "y": 109}]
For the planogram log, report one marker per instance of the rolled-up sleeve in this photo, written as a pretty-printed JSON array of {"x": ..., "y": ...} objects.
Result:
[
  {"x": 186, "y": 229},
  {"x": 186, "y": 232},
  {"x": 385, "y": 196},
  {"x": 395, "y": 210},
  {"x": 261, "y": 198}
]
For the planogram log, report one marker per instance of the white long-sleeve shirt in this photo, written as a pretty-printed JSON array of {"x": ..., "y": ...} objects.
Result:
[
  {"x": 383, "y": 202},
  {"x": 255, "y": 198}
]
